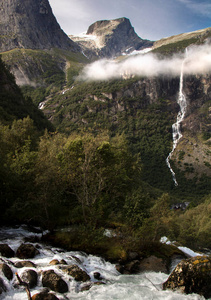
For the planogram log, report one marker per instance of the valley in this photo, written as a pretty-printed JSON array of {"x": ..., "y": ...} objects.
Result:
[{"x": 86, "y": 130}]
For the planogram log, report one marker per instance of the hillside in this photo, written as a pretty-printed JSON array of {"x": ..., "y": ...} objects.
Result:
[
  {"x": 177, "y": 43},
  {"x": 143, "y": 109},
  {"x": 14, "y": 106}
]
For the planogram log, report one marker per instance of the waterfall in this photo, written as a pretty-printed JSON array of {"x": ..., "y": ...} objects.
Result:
[{"x": 176, "y": 127}]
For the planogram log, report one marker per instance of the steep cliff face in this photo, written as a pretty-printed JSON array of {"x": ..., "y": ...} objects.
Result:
[
  {"x": 193, "y": 152},
  {"x": 31, "y": 24},
  {"x": 110, "y": 38}
]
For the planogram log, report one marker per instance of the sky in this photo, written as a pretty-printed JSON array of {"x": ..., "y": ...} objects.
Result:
[{"x": 151, "y": 19}]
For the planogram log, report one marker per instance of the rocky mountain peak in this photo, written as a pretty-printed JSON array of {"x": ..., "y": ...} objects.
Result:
[
  {"x": 109, "y": 38},
  {"x": 31, "y": 24},
  {"x": 102, "y": 27}
]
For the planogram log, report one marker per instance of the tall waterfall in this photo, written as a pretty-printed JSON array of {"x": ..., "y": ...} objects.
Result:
[{"x": 176, "y": 127}]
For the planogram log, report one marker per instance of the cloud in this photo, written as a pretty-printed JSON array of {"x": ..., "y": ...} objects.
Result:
[{"x": 197, "y": 60}]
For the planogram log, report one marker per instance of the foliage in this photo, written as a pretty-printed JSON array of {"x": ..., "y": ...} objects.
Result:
[
  {"x": 13, "y": 105},
  {"x": 195, "y": 225},
  {"x": 97, "y": 170}
]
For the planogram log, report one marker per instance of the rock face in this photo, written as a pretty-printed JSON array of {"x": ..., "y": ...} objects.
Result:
[
  {"x": 192, "y": 276},
  {"x": 108, "y": 38},
  {"x": 31, "y": 24}
]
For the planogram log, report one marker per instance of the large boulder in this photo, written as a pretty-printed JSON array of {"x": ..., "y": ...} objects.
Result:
[
  {"x": 6, "y": 270},
  {"x": 30, "y": 277},
  {"x": 6, "y": 251},
  {"x": 25, "y": 251},
  {"x": 77, "y": 273},
  {"x": 54, "y": 282},
  {"x": 192, "y": 275},
  {"x": 44, "y": 296}
]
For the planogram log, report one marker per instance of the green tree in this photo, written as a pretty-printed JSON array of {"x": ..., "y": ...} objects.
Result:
[
  {"x": 46, "y": 198},
  {"x": 97, "y": 170},
  {"x": 160, "y": 213}
]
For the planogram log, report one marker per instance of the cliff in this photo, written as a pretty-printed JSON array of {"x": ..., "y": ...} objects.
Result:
[{"x": 31, "y": 24}]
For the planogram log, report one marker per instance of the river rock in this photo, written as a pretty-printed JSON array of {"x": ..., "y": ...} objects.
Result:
[
  {"x": 6, "y": 271},
  {"x": 192, "y": 275},
  {"x": 53, "y": 281},
  {"x": 97, "y": 276},
  {"x": 77, "y": 273},
  {"x": 26, "y": 251},
  {"x": 54, "y": 262},
  {"x": 25, "y": 263},
  {"x": 6, "y": 251},
  {"x": 2, "y": 286},
  {"x": 30, "y": 277},
  {"x": 44, "y": 296}
]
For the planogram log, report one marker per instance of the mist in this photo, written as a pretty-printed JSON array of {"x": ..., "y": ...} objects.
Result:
[{"x": 195, "y": 60}]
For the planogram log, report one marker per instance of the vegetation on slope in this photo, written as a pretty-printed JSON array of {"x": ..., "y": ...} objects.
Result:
[
  {"x": 13, "y": 105},
  {"x": 92, "y": 183}
]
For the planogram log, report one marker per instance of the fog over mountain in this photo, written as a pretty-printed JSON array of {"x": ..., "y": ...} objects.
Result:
[{"x": 197, "y": 61}]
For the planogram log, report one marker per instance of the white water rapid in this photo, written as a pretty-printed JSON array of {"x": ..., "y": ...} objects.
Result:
[
  {"x": 176, "y": 127},
  {"x": 145, "y": 286}
]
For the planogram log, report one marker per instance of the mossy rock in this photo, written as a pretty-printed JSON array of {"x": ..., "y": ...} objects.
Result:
[{"x": 192, "y": 275}]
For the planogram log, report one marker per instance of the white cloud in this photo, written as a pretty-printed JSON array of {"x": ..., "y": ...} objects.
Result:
[{"x": 196, "y": 61}]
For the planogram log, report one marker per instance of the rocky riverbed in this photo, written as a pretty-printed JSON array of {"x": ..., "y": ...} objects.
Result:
[{"x": 52, "y": 273}]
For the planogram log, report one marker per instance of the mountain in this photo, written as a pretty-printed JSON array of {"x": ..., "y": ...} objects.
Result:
[
  {"x": 33, "y": 45},
  {"x": 31, "y": 24},
  {"x": 110, "y": 38}
]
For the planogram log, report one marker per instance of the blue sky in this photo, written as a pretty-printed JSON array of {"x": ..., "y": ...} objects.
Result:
[{"x": 151, "y": 19}]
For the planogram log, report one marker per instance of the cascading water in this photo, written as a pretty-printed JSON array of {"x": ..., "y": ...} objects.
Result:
[
  {"x": 176, "y": 127},
  {"x": 145, "y": 286}
]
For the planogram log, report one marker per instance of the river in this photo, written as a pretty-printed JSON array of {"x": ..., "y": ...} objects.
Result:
[{"x": 145, "y": 286}]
